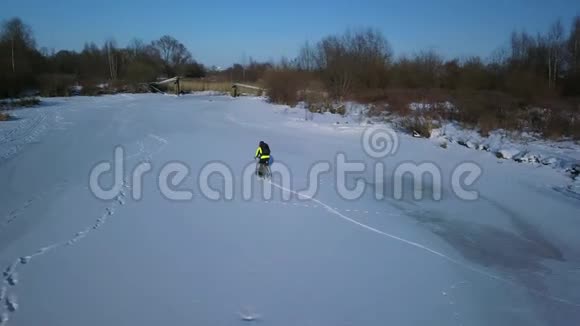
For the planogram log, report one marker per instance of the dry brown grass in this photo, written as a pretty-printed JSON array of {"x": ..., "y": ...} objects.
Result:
[
  {"x": 4, "y": 116},
  {"x": 397, "y": 100},
  {"x": 201, "y": 85}
]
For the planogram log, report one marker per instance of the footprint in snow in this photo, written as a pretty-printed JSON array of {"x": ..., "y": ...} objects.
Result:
[
  {"x": 11, "y": 304},
  {"x": 9, "y": 270},
  {"x": 44, "y": 250},
  {"x": 249, "y": 315},
  {"x": 12, "y": 279},
  {"x": 4, "y": 319}
]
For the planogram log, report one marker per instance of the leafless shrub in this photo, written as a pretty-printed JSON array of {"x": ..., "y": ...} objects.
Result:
[
  {"x": 487, "y": 110},
  {"x": 317, "y": 102},
  {"x": 349, "y": 62},
  {"x": 378, "y": 110},
  {"x": 92, "y": 90},
  {"x": 417, "y": 126},
  {"x": 55, "y": 84},
  {"x": 576, "y": 128},
  {"x": 562, "y": 124},
  {"x": 283, "y": 85}
]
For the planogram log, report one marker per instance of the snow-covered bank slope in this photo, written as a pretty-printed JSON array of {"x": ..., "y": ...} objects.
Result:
[
  {"x": 510, "y": 258},
  {"x": 564, "y": 156},
  {"x": 520, "y": 147}
]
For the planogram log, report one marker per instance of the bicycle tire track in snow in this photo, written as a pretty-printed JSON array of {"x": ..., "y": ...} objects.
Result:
[
  {"x": 24, "y": 128},
  {"x": 24, "y": 133},
  {"x": 428, "y": 250}
]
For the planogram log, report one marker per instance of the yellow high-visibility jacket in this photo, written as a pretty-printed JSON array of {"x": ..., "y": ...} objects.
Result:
[{"x": 261, "y": 155}]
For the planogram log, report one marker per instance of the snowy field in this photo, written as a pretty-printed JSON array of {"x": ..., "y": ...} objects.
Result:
[{"x": 510, "y": 257}]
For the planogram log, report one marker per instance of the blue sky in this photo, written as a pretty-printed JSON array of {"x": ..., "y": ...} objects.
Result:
[{"x": 221, "y": 32}]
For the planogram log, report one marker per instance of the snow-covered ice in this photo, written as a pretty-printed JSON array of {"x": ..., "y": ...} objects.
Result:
[{"x": 512, "y": 257}]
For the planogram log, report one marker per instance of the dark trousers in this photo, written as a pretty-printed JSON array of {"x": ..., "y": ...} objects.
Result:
[{"x": 262, "y": 169}]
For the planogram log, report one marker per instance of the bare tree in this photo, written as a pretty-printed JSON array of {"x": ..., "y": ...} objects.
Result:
[
  {"x": 428, "y": 65},
  {"x": 19, "y": 35},
  {"x": 555, "y": 46},
  {"x": 136, "y": 47},
  {"x": 110, "y": 49},
  {"x": 244, "y": 62},
  {"x": 499, "y": 56},
  {"x": 574, "y": 46},
  {"x": 353, "y": 60},
  {"x": 307, "y": 60},
  {"x": 337, "y": 67},
  {"x": 522, "y": 47},
  {"x": 172, "y": 52}
]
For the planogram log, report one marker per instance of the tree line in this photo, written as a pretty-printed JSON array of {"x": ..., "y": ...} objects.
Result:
[
  {"x": 529, "y": 72},
  {"x": 24, "y": 68},
  {"x": 357, "y": 62},
  {"x": 353, "y": 64},
  {"x": 533, "y": 83}
]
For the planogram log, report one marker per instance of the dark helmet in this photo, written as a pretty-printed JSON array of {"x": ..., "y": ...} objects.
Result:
[{"x": 261, "y": 143}]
